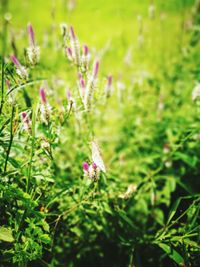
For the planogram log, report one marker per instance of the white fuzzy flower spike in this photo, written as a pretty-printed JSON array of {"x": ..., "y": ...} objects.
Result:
[{"x": 96, "y": 156}]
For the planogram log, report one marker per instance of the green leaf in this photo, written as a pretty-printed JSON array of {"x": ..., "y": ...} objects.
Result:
[
  {"x": 45, "y": 238},
  {"x": 173, "y": 210},
  {"x": 6, "y": 234},
  {"x": 172, "y": 253}
]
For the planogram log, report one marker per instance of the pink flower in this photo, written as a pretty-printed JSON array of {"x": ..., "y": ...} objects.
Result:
[
  {"x": 69, "y": 94},
  {"x": 82, "y": 83},
  {"x": 15, "y": 61},
  {"x": 109, "y": 78},
  {"x": 21, "y": 70},
  {"x": 43, "y": 96},
  {"x": 69, "y": 52},
  {"x": 25, "y": 117},
  {"x": 72, "y": 33},
  {"x": 85, "y": 50},
  {"x": 94, "y": 165},
  {"x": 96, "y": 69},
  {"x": 85, "y": 166},
  {"x": 31, "y": 35}
]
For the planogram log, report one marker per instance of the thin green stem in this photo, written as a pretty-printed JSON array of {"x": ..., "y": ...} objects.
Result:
[
  {"x": 4, "y": 39},
  {"x": 11, "y": 139}
]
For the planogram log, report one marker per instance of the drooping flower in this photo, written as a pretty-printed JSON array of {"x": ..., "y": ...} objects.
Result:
[{"x": 21, "y": 70}]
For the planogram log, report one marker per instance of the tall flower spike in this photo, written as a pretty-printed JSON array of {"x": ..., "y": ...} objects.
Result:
[
  {"x": 31, "y": 35},
  {"x": 45, "y": 108},
  {"x": 21, "y": 70},
  {"x": 91, "y": 86},
  {"x": 33, "y": 51},
  {"x": 75, "y": 48}
]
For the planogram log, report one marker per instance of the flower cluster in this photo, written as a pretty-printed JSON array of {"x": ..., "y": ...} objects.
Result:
[
  {"x": 89, "y": 90},
  {"x": 91, "y": 171},
  {"x": 73, "y": 51}
]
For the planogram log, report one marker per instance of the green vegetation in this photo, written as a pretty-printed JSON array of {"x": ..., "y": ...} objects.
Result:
[{"x": 100, "y": 148}]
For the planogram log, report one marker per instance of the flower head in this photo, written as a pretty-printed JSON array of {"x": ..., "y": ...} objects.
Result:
[
  {"x": 31, "y": 34},
  {"x": 91, "y": 171},
  {"x": 85, "y": 166},
  {"x": 33, "y": 51},
  {"x": 21, "y": 70}
]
